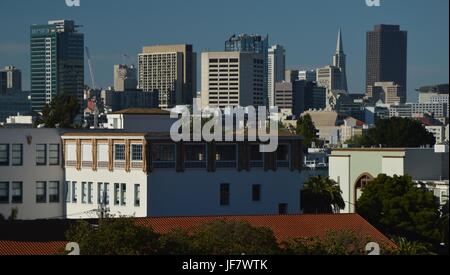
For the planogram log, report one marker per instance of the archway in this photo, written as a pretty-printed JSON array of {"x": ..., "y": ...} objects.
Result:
[{"x": 362, "y": 181}]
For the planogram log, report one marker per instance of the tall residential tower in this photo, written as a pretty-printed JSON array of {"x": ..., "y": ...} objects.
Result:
[{"x": 277, "y": 66}]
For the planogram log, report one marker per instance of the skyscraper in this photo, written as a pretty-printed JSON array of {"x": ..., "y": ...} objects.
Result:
[
  {"x": 252, "y": 44},
  {"x": 339, "y": 61},
  {"x": 10, "y": 80},
  {"x": 125, "y": 78},
  {"x": 386, "y": 55},
  {"x": 277, "y": 66},
  {"x": 57, "y": 62},
  {"x": 232, "y": 79},
  {"x": 170, "y": 70}
]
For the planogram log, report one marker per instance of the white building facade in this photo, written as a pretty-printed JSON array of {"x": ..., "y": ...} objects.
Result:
[
  {"x": 277, "y": 67},
  {"x": 31, "y": 173},
  {"x": 354, "y": 168}
]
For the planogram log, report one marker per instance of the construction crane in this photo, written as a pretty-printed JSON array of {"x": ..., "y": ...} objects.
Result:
[{"x": 91, "y": 71}]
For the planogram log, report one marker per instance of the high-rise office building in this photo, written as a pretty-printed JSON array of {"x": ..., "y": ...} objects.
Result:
[
  {"x": 386, "y": 55},
  {"x": 329, "y": 77},
  {"x": 232, "y": 79},
  {"x": 252, "y": 44},
  {"x": 170, "y": 70},
  {"x": 57, "y": 62},
  {"x": 291, "y": 75},
  {"x": 10, "y": 80},
  {"x": 277, "y": 66},
  {"x": 339, "y": 61},
  {"x": 387, "y": 93},
  {"x": 125, "y": 78},
  {"x": 309, "y": 75}
]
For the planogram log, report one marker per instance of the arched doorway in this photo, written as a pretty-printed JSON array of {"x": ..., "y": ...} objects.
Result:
[{"x": 362, "y": 181}]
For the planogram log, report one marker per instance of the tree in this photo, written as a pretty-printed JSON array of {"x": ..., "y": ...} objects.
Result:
[
  {"x": 444, "y": 224},
  {"x": 321, "y": 196},
  {"x": 221, "y": 237},
  {"x": 398, "y": 207},
  {"x": 397, "y": 133},
  {"x": 408, "y": 248},
  {"x": 306, "y": 128},
  {"x": 114, "y": 237},
  {"x": 61, "y": 112},
  {"x": 337, "y": 243}
]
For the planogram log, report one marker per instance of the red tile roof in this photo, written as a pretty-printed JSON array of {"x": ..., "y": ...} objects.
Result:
[
  {"x": 13, "y": 248},
  {"x": 284, "y": 227}
]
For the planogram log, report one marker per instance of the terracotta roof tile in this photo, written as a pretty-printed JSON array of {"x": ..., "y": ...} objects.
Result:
[
  {"x": 13, "y": 248},
  {"x": 284, "y": 227}
]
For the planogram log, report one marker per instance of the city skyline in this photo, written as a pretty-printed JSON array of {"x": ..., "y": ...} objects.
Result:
[{"x": 427, "y": 62}]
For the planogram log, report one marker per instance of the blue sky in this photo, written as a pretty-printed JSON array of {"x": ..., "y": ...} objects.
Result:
[{"x": 307, "y": 29}]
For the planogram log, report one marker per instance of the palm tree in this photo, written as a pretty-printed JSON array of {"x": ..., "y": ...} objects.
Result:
[{"x": 321, "y": 195}]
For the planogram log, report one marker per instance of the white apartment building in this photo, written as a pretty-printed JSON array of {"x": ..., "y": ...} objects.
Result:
[
  {"x": 31, "y": 173},
  {"x": 277, "y": 67},
  {"x": 232, "y": 79},
  {"x": 354, "y": 168},
  {"x": 142, "y": 175},
  {"x": 438, "y": 133},
  {"x": 438, "y": 110}
]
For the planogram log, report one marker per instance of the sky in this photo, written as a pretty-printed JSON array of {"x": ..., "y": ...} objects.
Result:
[{"x": 306, "y": 28}]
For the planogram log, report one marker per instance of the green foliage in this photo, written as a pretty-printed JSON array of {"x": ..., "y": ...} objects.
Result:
[
  {"x": 61, "y": 112},
  {"x": 114, "y": 237},
  {"x": 334, "y": 243},
  {"x": 444, "y": 224},
  {"x": 306, "y": 128},
  {"x": 397, "y": 133},
  {"x": 321, "y": 196},
  {"x": 408, "y": 248},
  {"x": 399, "y": 208},
  {"x": 14, "y": 214},
  {"x": 234, "y": 238}
]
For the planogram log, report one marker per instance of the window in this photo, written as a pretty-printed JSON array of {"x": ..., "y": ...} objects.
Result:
[
  {"x": 90, "y": 193},
  {"x": 106, "y": 196},
  {"x": 67, "y": 191},
  {"x": 17, "y": 192},
  {"x": 283, "y": 208},
  {"x": 4, "y": 192},
  {"x": 164, "y": 152},
  {"x": 123, "y": 194},
  {"x": 17, "y": 154},
  {"x": 256, "y": 193},
  {"x": 41, "y": 154},
  {"x": 83, "y": 192},
  {"x": 136, "y": 152},
  {"x": 74, "y": 192},
  {"x": 137, "y": 195},
  {"x": 226, "y": 156},
  {"x": 195, "y": 156},
  {"x": 100, "y": 193},
  {"x": 224, "y": 194},
  {"x": 53, "y": 157},
  {"x": 119, "y": 152},
  {"x": 4, "y": 154},
  {"x": 41, "y": 192},
  {"x": 256, "y": 157},
  {"x": 53, "y": 191},
  {"x": 283, "y": 156},
  {"x": 116, "y": 194}
]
